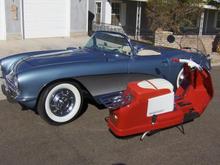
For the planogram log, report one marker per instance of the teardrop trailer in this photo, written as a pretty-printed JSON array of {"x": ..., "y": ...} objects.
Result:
[{"x": 152, "y": 105}]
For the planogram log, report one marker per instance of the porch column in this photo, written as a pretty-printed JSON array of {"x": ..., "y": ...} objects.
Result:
[
  {"x": 138, "y": 21},
  {"x": 107, "y": 13},
  {"x": 201, "y": 23}
]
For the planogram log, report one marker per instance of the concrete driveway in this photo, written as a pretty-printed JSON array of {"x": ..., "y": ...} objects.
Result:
[
  {"x": 26, "y": 139},
  {"x": 19, "y": 46}
]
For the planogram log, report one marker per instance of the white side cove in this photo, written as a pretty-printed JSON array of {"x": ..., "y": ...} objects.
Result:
[
  {"x": 2, "y": 20},
  {"x": 160, "y": 104}
]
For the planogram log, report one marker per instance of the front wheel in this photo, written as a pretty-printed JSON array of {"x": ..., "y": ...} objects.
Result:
[{"x": 60, "y": 103}]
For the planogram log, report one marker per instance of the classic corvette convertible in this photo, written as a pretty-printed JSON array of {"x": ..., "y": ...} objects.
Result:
[{"x": 58, "y": 83}]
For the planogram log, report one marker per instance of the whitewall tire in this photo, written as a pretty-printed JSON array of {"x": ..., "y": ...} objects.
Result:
[{"x": 60, "y": 103}]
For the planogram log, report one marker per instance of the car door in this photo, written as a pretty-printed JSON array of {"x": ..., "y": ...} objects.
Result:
[
  {"x": 110, "y": 75},
  {"x": 156, "y": 65}
]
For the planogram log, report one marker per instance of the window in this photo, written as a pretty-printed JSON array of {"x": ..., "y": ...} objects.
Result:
[
  {"x": 98, "y": 12},
  {"x": 116, "y": 9},
  {"x": 110, "y": 42},
  {"x": 217, "y": 25}
]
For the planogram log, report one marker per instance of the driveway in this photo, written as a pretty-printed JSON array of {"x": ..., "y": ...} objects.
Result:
[
  {"x": 26, "y": 139},
  {"x": 19, "y": 46}
]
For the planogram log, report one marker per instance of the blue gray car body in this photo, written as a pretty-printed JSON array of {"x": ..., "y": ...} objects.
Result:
[{"x": 97, "y": 71}]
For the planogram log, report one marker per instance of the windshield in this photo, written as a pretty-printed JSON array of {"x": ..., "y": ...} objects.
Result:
[{"x": 109, "y": 42}]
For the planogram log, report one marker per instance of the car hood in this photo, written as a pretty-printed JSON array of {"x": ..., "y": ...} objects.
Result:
[{"x": 60, "y": 57}]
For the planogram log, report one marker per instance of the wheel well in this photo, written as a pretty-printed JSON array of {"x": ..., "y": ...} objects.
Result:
[{"x": 85, "y": 92}]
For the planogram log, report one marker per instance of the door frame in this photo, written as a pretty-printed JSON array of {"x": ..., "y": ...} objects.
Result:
[{"x": 2, "y": 20}]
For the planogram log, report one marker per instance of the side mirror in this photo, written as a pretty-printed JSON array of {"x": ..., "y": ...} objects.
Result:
[{"x": 171, "y": 39}]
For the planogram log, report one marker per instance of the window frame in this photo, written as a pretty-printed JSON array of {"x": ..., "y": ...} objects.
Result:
[
  {"x": 217, "y": 14},
  {"x": 100, "y": 11},
  {"x": 120, "y": 17}
]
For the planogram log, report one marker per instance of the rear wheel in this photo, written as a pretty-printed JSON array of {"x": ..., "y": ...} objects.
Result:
[{"x": 60, "y": 103}]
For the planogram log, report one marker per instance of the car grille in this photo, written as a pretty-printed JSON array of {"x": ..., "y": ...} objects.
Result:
[{"x": 10, "y": 86}]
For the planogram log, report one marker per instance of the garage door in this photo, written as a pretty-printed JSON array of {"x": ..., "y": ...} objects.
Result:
[
  {"x": 2, "y": 20},
  {"x": 46, "y": 18}
]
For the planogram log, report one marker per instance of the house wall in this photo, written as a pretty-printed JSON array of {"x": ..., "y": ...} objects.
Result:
[
  {"x": 78, "y": 24},
  {"x": 79, "y": 16},
  {"x": 92, "y": 6},
  {"x": 13, "y": 25},
  {"x": 2, "y": 20}
]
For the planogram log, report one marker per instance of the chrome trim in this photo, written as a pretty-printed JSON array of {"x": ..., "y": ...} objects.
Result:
[
  {"x": 116, "y": 100},
  {"x": 62, "y": 102},
  {"x": 10, "y": 84},
  {"x": 1, "y": 75}
]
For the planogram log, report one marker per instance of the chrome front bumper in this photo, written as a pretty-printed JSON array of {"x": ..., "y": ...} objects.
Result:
[
  {"x": 7, "y": 87},
  {"x": 9, "y": 94}
]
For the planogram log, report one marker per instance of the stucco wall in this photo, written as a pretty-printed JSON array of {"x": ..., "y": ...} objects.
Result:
[{"x": 203, "y": 43}]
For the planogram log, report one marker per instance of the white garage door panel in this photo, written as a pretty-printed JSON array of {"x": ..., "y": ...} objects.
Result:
[
  {"x": 2, "y": 20},
  {"x": 46, "y": 18}
]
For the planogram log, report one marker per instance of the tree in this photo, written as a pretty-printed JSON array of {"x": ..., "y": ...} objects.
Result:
[{"x": 171, "y": 15}]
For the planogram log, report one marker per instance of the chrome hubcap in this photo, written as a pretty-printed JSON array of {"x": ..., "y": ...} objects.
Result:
[{"x": 62, "y": 102}]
